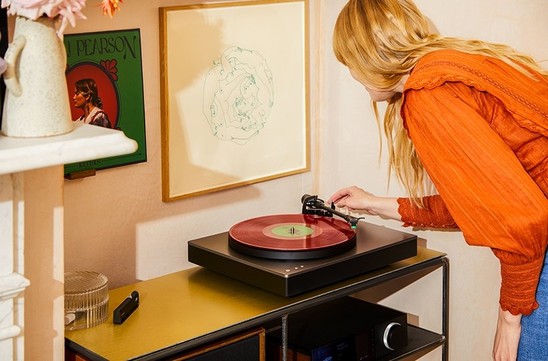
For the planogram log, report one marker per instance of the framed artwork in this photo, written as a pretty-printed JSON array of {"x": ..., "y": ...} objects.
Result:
[
  {"x": 105, "y": 86},
  {"x": 234, "y": 94}
]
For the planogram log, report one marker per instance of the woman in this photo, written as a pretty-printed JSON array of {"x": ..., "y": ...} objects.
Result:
[
  {"x": 86, "y": 97},
  {"x": 471, "y": 119}
]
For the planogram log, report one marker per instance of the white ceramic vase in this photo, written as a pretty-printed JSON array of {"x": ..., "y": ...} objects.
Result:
[{"x": 37, "y": 101}]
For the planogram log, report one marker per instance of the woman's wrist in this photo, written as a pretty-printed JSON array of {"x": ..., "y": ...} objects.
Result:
[
  {"x": 386, "y": 207},
  {"x": 508, "y": 318}
]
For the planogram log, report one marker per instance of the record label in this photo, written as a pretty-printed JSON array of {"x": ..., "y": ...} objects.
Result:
[
  {"x": 291, "y": 230},
  {"x": 292, "y": 236}
]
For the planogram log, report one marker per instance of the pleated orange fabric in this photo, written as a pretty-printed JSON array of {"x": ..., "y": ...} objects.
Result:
[
  {"x": 433, "y": 214},
  {"x": 480, "y": 128}
]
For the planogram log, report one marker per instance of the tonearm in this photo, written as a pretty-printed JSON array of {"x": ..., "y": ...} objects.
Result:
[{"x": 314, "y": 205}]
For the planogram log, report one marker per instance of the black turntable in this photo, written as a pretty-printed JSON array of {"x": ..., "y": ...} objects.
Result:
[{"x": 291, "y": 254}]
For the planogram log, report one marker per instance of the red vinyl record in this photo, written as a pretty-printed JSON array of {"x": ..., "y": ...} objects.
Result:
[{"x": 292, "y": 236}]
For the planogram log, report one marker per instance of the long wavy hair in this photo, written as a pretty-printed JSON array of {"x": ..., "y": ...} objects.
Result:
[{"x": 381, "y": 41}]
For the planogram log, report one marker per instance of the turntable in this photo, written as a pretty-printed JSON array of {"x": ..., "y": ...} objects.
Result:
[{"x": 290, "y": 254}]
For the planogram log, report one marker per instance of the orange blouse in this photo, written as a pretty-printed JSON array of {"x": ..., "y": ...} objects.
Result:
[{"x": 480, "y": 128}]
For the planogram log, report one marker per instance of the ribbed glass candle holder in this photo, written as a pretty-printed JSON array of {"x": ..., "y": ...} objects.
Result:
[{"x": 86, "y": 299}]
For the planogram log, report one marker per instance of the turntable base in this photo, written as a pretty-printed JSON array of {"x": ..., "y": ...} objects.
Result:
[{"x": 376, "y": 247}]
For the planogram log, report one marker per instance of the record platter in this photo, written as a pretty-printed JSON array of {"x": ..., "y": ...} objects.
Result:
[{"x": 290, "y": 254}]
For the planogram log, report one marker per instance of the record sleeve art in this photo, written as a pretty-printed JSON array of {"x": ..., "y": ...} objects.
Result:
[{"x": 292, "y": 236}]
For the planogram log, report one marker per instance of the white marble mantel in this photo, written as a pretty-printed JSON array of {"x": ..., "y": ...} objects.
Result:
[
  {"x": 85, "y": 142},
  {"x": 31, "y": 235}
]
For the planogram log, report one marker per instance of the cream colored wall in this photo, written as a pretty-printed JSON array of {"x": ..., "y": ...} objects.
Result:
[
  {"x": 116, "y": 223},
  {"x": 349, "y": 150}
]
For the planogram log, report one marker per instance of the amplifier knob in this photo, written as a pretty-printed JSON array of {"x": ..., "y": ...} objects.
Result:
[{"x": 394, "y": 336}]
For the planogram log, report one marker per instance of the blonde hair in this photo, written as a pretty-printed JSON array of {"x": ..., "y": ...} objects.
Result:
[{"x": 381, "y": 41}]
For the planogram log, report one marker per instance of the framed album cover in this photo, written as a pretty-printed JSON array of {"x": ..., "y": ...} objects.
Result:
[
  {"x": 234, "y": 94},
  {"x": 105, "y": 86}
]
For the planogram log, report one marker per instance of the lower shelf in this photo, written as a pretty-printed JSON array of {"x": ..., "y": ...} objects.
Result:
[
  {"x": 419, "y": 340},
  {"x": 419, "y": 343}
]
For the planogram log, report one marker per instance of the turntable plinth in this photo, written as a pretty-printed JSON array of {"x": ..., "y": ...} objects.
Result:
[{"x": 376, "y": 247}]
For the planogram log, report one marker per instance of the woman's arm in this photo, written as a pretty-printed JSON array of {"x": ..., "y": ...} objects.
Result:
[
  {"x": 506, "y": 343},
  {"x": 357, "y": 200},
  {"x": 433, "y": 213}
]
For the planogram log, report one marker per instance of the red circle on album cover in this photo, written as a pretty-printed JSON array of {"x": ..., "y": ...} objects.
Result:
[{"x": 106, "y": 89}]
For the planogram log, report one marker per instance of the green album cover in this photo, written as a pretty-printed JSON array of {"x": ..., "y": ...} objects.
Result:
[{"x": 105, "y": 88}]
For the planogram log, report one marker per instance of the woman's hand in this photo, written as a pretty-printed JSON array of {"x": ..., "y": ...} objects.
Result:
[
  {"x": 507, "y": 336},
  {"x": 357, "y": 200}
]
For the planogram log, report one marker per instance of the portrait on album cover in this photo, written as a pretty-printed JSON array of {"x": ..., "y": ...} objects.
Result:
[{"x": 105, "y": 88}]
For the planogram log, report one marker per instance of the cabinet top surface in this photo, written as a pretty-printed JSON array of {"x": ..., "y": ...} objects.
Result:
[{"x": 181, "y": 308}]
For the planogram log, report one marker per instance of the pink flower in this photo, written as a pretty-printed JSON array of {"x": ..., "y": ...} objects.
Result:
[
  {"x": 110, "y": 6},
  {"x": 67, "y": 10}
]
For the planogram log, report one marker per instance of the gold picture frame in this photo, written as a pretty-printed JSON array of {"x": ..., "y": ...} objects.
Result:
[{"x": 234, "y": 94}]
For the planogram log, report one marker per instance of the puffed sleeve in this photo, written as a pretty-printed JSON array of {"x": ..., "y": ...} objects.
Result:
[
  {"x": 433, "y": 213},
  {"x": 101, "y": 119},
  {"x": 490, "y": 196}
]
